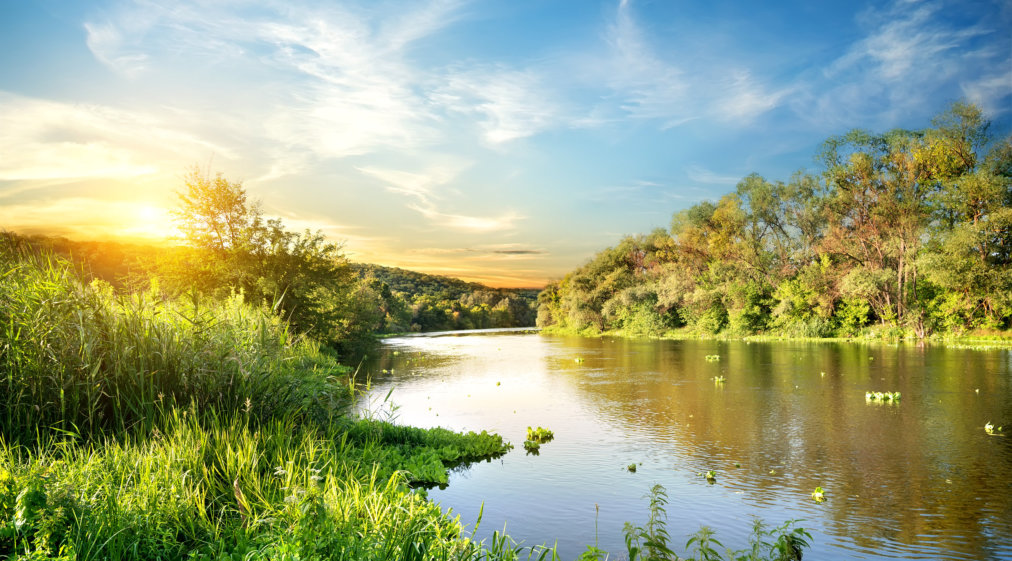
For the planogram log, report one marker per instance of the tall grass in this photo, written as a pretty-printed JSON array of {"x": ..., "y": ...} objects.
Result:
[
  {"x": 77, "y": 357},
  {"x": 213, "y": 489}
]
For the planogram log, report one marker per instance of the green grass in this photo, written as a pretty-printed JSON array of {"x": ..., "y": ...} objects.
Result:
[
  {"x": 80, "y": 358},
  {"x": 219, "y": 489}
]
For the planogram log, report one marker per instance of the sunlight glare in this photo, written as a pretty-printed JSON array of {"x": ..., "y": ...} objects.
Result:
[{"x": 150, "y": 222}]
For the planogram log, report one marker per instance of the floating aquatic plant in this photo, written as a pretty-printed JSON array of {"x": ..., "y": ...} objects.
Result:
[
  {"x": 578, "y": 360},
  {"x": 631, "y": 468},
  {"x": 819, "y": 495},
  {"x": 711, "y": 476},
  {"x": 540, "y": 435},
  {"x": 989, "y": 428},
  {"x": 712, "y": 358},
  {"x": 533, "y": 448},
  {"x": 882, "y": 397},
  {"x": 719, "y": 379}
]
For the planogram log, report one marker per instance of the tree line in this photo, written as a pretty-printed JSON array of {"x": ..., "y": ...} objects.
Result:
[
  {"x": 413, "y": 301},
  {"x": 905, "y": 233}
]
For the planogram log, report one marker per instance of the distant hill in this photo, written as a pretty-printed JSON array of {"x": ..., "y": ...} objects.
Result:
[{"x": 437, "y": 286}]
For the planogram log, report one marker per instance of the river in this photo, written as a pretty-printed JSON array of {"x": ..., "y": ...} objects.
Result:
[{"x": 918, "y": 478}]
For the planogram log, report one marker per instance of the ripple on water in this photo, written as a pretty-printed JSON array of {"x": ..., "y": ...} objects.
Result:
[{"x": 914, "y": 480}]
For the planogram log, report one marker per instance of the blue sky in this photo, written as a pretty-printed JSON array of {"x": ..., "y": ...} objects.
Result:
[{"x": 503, "y": 141}]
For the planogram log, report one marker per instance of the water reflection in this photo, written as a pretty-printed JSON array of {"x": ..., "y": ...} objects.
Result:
[{"x": 914, "y": 479}]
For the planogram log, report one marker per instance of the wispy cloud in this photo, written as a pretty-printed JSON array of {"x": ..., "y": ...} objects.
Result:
[
  {"x": 911, "y": 56},
  {"x": 510, "y": 104},
  {"x": 50, "y": 140},
  {"x": 420, "y": 185},
  {"x": 675, "y": 85},
  {"x": 505, "y": 250},
  {"x": 423, "y": 188},
  {"x": 474, "y": 224},
  {"x": 700, "y": 174},
  {"x": 331, "y": 82}
]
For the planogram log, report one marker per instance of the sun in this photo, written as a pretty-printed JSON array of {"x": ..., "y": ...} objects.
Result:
[{"x": 149, "y": 222}]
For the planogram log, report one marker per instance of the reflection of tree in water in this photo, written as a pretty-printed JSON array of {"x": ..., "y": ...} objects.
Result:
[{"x": 920, "y": 473}]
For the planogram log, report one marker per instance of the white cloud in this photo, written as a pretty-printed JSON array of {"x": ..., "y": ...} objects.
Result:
[
  {"x": 988, "y": 91},
  {"x": 423, "y": 187},
  {"x": 912, "y": 58},
  {"x": 105, "y": 41},
  {"x": 474, "y": 224},
  {"x": 327, "y": 82},
  {"x": 667, "y": 85},
  {"x": 511, "y": 104},
  {"x": 49, "y": 140},
  {"x": 700, "y": 174}
]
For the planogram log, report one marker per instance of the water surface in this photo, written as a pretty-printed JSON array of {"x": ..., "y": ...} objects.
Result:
[{"x": 919, "y": 479}]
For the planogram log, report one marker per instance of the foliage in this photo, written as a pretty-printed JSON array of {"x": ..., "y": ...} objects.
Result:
[
  {"x": 541, "y": 435},
  {"x": 81, "y": 358},
  {"x": 412, "y": 301},
  {"x": 904, "y": 234},
  {"x": 652, "y": 542}
]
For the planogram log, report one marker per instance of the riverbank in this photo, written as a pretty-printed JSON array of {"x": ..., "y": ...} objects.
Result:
[
  {"x": 140, "y": 427},
  {"x": 979, "y": 339}
]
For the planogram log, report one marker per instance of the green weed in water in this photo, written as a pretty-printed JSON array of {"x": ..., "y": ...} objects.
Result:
[
  {"x": 540, "y": 435},
  {"x": 818, "y": 495},
  {"x": 882, "y": 397}
]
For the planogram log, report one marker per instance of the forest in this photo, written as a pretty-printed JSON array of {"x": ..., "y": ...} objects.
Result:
[
  {"x": 903, "y": 234},
  {"x": 413, "y": 301}
]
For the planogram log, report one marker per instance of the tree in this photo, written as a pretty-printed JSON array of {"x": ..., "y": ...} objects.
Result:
[
  {"x": 301, "y": 275},
  {"x": 214, "y": 213}
]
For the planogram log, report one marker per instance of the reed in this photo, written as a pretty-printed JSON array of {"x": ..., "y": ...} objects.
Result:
[{"x": 79, "y": 358}]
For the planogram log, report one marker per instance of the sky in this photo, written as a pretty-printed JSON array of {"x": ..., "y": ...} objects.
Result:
[{"x": 500, "y": 141}]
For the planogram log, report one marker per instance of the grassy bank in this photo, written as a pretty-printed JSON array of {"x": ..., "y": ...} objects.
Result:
[
  {"x": 975, "y": 339},
  {"x": 137, "y": 427}
]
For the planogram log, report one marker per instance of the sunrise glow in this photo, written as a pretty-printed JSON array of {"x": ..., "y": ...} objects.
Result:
[{"x": 435, "y": 134}]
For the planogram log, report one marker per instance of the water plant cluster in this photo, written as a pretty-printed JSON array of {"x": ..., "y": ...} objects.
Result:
[
  {"x": 819, "y": 495},
  {"x": 540, "y": 435},
  {"x": 882, "y": 397},
  {"x": 535, "y": 438},
  {"x": 712, "y": 358},
  {"x": 989, "y": 428}
]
